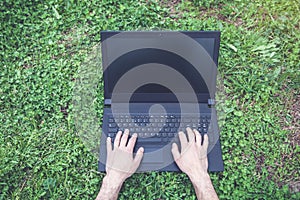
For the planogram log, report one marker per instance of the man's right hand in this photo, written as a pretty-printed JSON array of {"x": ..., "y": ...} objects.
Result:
[{"x": 192, "y": 159}]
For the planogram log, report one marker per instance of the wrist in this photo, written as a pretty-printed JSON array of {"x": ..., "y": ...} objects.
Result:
[
  {"x": 110, "y": 188},
  {"x": 204, "y": 187},
  {"x": 202, "y": 178},
  {"x": 113, "y": 181}
]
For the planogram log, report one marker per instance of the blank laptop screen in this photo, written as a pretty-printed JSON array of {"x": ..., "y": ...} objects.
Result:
[{"x": 122, "y": 64}]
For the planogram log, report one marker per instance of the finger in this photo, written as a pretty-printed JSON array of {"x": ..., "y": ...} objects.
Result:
[
  {"x": 191, "y": 135},
  {"x": 124, "y": 138},
  {"x": 175, "y": 152},
  {"x": 205, "y": 141},
  {"x": 198, "y": 137},
  {"x": 131, "y": 142},
  {"x": 108, "y": 146},
  {"x": 182, "y": 139},
  {"x": 117, "y": 139},
  {"x": 138, "y": 156}
]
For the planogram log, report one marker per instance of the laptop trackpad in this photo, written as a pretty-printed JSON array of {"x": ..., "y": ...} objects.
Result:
[{"x": 153, "y": 155}]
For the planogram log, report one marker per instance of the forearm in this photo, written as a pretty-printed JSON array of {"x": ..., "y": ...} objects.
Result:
[
  {"x": 110, "y": 189},
  {"x": 204, "y": 188}
]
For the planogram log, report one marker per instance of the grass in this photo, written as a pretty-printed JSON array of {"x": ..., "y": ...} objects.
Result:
[{"x": 43, "y": 45}]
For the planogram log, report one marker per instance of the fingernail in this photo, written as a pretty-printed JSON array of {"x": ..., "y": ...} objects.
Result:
[
  {"x": 134, "y": 135},
  {"x": 142, "y": 149}
]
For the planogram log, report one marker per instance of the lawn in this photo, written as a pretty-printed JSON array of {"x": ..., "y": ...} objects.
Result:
[{"x": 45, "y": 44}]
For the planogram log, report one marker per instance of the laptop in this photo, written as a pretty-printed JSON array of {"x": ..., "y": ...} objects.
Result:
[{"x": 157, "y": 83}]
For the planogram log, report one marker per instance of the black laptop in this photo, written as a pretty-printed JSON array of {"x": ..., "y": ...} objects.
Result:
[{"x": 157, "y": 83}]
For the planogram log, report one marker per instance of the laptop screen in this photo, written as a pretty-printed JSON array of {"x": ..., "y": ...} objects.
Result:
[{"x": 115, "y": 67}]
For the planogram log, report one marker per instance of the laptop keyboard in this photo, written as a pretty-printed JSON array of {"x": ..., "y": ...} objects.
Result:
[{"x": 156, "y": 128}]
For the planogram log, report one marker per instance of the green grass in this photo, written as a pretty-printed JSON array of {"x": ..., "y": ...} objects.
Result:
[{"x": 43, "y": 45}]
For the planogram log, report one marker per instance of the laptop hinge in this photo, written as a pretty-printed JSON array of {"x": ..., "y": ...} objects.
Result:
[
  {"x": 211, "y": 102},
  {"x": 107, "y": 102}
]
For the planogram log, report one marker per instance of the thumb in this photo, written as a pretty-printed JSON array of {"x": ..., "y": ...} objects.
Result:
[
  {"x": 175, "y": 152},
  {"x": 138, "y": 156},
  {"x": 108, "y": 146}
]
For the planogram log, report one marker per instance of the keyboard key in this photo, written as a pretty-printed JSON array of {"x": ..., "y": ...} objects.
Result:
[
  {"x": 170, "y": 134},
  {"x": 112, "y": 130},
  {"x": 173, "y": 130},
  {"x": 141, "y": 134},
  {"x": 111, "y": 135},
  {"x": 146, "y": 134},
  {"x": 171, "y": 125},
  {"x": 137, "y": 129},
  {"x": 149, "y": 140},
  {"x": 112, "y": 125}
]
